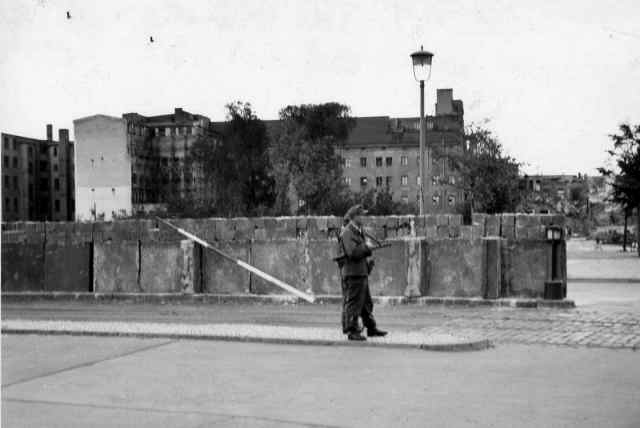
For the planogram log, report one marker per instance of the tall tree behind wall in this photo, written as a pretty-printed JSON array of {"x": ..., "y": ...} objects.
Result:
[
  {"x": 490, "y": 178},
  {"x": 625, "y": 176},
  {"x": 305, "y": 158}
]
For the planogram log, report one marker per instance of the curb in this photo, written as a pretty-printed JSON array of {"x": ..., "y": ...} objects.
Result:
[
  {"x": 459, "y": 346},
  {"x": 275, "y": 299}
]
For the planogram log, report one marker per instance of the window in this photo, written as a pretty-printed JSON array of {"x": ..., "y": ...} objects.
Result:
[
  {"x": 30, "y": 167},
  {"x": 435, "y": 199},
  {"x": 452, "y": 179},
  {"x": 6, "y": 181},
  {"x": 15, "y": 145},
  {"x": 55, "y": 152},
  {"x": 56, "y": 184},
  {"x": 43, "y": 149},
  {"x": 379, "y": 179},
  {"x": 347, "y": 163},
  {"x": 15, "y": 182},
  {"x": 6, "y": 201},
  {"x": 189, "y": 131},
  {"x": 347, "y": 181},
  {"x": 134, "y": 178},
  {"x": 418, "y": 180},
  {"x": 404, "y": 180},
  {"x": 363, "y": 162},
  {"x": 44, "y": 184},
  {"x": 389, "y": 178},
  {"x": 43, "y": 166},
  {"x": 389, "y": 160},
  {"x": 405, "y": 199},
  {"x": 57, "y": 205},
  {"x": 452, "y": 200},
  {"x": 30, "y": 191},
  {"x": 363, "y": 181},
  {"x": 434, "y": 180},
  {"x": 30, "y": 151},
  {"x": 6, "y": 161},
  {"x": 6, "y": 143},
  {"x": 55, "y": 167},
  {"x": 167, "y": 132},
  {"x": 404, "y": 160},
  {"x": 378, "y": 161}
]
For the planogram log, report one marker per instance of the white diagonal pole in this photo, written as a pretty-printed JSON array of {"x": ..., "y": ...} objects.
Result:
[{"x": 275, "y": 281}]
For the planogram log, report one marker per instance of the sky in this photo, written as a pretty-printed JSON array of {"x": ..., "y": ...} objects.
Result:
[{"x": 551, "y": 79}]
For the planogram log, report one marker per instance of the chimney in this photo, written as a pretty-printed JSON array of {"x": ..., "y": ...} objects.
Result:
[
  {"x": 49, "y": 132},
  {"x": 63, "y": 135},
  {"x": 444, "y": 103}
]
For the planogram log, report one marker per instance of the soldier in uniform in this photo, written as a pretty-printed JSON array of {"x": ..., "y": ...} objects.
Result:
[{"x": 355, "y": 268}]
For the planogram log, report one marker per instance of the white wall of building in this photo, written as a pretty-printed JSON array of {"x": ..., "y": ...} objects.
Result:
[{"x": 103, "y": 168}]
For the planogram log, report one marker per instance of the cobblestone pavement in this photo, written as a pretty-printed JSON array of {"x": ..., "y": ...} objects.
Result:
[{"x": 573, "y": 327}]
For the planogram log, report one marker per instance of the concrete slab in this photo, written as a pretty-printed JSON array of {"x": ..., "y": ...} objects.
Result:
[{"x": 246, "y": 333}]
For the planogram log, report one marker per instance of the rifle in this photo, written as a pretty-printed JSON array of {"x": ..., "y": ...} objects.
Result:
[{"x": 379, "y": 245}]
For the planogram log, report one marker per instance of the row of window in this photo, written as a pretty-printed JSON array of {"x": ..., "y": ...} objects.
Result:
[
  {"x": 163, "y": 132},
  {"x": 364, "y": 181},
  {"x": 7, "y": 205},
  {"x": 44, "y": 183},
  {"x": 388, "y": 161}
]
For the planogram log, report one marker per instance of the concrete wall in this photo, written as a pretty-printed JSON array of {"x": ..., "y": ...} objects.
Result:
[
  {"x": 435, "y": 255},
  {"x": 103, "y": 168}
]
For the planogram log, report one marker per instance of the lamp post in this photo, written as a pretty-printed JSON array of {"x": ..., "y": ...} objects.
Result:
[{"x": 421, "y": 72}]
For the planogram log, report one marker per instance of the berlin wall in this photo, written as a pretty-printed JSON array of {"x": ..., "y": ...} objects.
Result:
[{"x": 434, "y": 255}]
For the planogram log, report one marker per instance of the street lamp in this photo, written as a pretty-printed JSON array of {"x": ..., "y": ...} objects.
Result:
[{"x": 422, "y": 71}]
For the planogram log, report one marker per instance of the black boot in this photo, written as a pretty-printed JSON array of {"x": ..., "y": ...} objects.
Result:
[
  {"x": 374, "y": 332},
  {"x": 356, "y": 336}
]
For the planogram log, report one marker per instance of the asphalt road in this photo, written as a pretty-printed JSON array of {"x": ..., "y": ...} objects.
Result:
[{"x": 62, "y": 381}]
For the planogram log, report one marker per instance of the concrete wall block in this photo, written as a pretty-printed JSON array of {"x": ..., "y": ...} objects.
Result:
[
  {"x": 467, "y": 232},
  {"x": 284, "y": 228},
  {"x": 116, "y": 267},
  {"x": 418, "y": 226},
  {"x": 524, "y": 268},
  {"x": 430, "y": 220},
  {"x": 22, "y": 265},
  {"x": 431, "y": 232},
  {"x": 223, "y": 276},
  {"x": 243, "y": 229},
  {"x": 324, "y": 275},
  {"x": 455, "y": 231},
  {"x": 455, "y": 219},
  {"x": 14, "y": 236},
  {"x": 477, "y": 232},
  {"x": 121, "y": 230},
  {"x": 442, "y": 232},
  {"x": 442, "y": 219},
  {"x": 493, "y": 268},
  {"x": 224, "y": 229},
  {"x": 67, "y": 266},
  {"x": 508, "y": 226},
  {"x": 455, "y": 268},
  {"x": 389, "y": 275},
  {"x": 416, "y": 270},
  {"x": 492, "y": 225},
  {"x": 282, "y": 259},
  {"x": 59, "y": 231}
]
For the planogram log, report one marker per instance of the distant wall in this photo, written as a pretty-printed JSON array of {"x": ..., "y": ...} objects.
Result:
[{"x": 435, "y": 255}]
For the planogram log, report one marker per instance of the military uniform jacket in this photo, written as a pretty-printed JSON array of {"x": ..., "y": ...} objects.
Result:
[{"x": 356, "y": 251}]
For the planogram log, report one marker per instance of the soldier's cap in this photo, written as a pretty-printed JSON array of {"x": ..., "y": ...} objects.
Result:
[{"x": 355, "y": 211}]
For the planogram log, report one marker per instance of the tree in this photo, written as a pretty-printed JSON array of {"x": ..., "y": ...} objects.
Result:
[
  {"x": 305, "y": 159},
  {"x": 625, "y": 175},
  {"x": 490, "y": 178}
]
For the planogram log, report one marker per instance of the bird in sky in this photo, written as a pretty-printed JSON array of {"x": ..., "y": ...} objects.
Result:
[
  {"x": 151, "y": 39},
  {"x": 68, "y": 15}
]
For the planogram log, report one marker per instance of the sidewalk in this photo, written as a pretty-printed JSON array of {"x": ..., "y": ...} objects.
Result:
[{"x": 618, "y": 328}]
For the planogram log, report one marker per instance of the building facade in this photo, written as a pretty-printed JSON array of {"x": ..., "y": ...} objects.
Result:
[
  {"x": 38, "y": 177},
  {"x": 131, "y": 164},
  {"x": 383, "y": 153}
]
